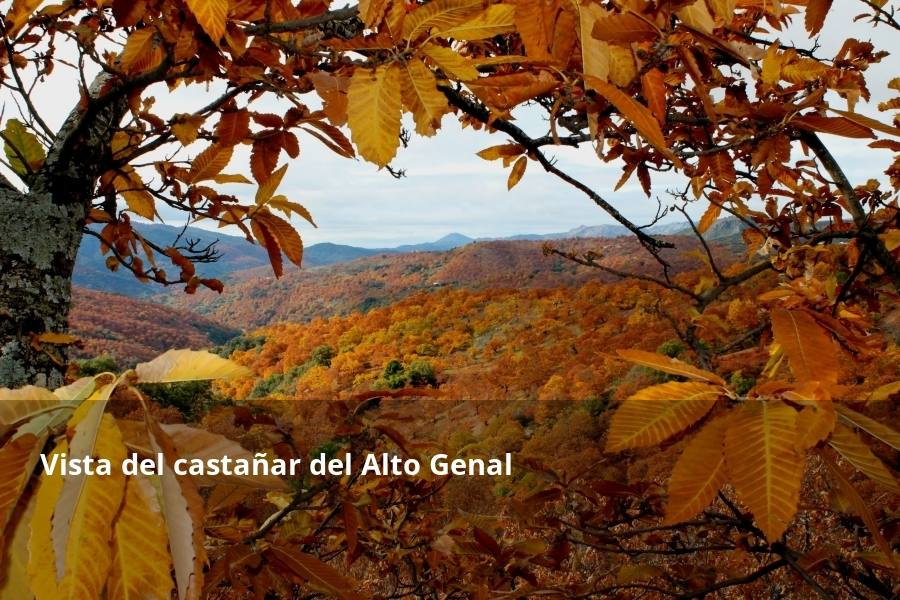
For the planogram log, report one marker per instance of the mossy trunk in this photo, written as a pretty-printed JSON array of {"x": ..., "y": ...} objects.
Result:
[
  {"x": 40, "y": 231},
  {"x": 39, "y": 239}
]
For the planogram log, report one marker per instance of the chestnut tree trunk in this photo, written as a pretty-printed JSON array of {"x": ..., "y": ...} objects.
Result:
[{"x": 40, "y": 231}]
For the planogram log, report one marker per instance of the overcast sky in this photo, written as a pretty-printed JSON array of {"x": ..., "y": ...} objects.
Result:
[{"x": 449, "y": 189}]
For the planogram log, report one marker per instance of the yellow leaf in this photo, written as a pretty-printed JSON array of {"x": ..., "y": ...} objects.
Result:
[
  {"x": 131, "y": 187},
  {"x": 267, "y": 188},
  {"x": 534, "y": 22},
  {"x": 515, "y": 175},
  {"x": 210, "y": 163},
  {"x": 188, "y": 365},
  {"x": 814, "y": 423},
  {"x": 421, "y": 97},
  {"x": 699, "y": 473},
  {"x": 19, "y": 14},
  {"x": 771, "y": 65},
  {"x": 630, "y": 573},
  {"x": 23, "y": 150},
  {"x": 78, "y": 390},
  {"x": 41, "y": 561},
  {"x": 287, "y": 207},
  {"x": 636, "y": 113},
  {"x": 870, "y": 426},
  {"x": 811, "y": 353},
  {"x": 373, "y": 112},
  {"x": 891, "y": 239},
  {"x": 438, "y": 14},
  {"x": 14, "y": 581},
  {"x": 656, "y": 413},
  {"x": 186, "y": 128},
  {"x": 501, "y": 151},
  {"x": 883, "y": 393},
  {"x": 594, "y": 52},
  {"x": 183, "y": 510},
  {"x": 673, "y": 366},
  {"x": 191, "y": 443},
  {"x": 697, "y": 16},
  {"x": 231, "y": 178},
  {"x": 142, "y": 51},
  {"x": 17, "y": 461},
  {"x": 497, "y": 19},
  {"x": 22, "y": 404},
  {"x": 858, "y": 454},
  {"x": 653, "y": 86},
  {"x": 59, "y": 339},
  {"x": 622, "y": 68},
  {"x": 724, "y": 9},
  {"x": 763, "y": 463},
  {"x": 211, "y": 15},
  {"x": 802, "y": 70},
  {"x": 141, "y": 562},
  {"x": 372, "y": 11},
  {"x": 709, "y": 217},
  {"x": 450, "y": 62},
  {"x": 81, "y": 542},
  {"x": 622, "y": 28}
]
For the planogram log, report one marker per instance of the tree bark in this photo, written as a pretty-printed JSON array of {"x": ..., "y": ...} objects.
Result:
[
  {"x": 40, "y": 231},
  {"x": 38, "y": 242}
]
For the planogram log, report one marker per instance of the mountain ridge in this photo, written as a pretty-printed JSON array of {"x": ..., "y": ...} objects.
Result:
[{"x": 237, "y": 255}]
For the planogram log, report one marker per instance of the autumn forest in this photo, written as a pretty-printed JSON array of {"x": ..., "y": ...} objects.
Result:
[{"x": 699, "y": 392}]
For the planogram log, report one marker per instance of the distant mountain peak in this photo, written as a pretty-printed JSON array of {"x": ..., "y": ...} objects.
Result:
[{"x": 454, "y": 238}]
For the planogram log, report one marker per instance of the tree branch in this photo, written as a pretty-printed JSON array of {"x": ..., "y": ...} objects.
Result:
[{"x": 481, "y": 113}]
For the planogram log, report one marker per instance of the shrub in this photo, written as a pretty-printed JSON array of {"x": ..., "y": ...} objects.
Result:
[
  {"x": 93, "y": 366},
  {"x": 322, "y": 355},
  {"x": 421, "y": 373}
]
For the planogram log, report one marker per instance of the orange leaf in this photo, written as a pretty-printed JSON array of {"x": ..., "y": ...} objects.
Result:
[
  {"x": 209, "y": 163},
  {"x": 318, "y": 575},
  {"x": 653, "y": 87},
  {"x": 636, "y": 113},
  {"x": 267, "y": 241},
  {"x": 877, "y": 430},
  {"x": 867, "y": 122},
  {"x": 211, "y": 15},
  {"x": 699, "y": 473},
  {"x": 834, "y": 125},
  {"x": 283, "y": 232},
  {"x": 810, "y": 350},
  {"x": 517, "y": 171},
  {"x": 861, "y": 508},
  {"x": 709, "y": 217},
  {"x": 656, "y": 413},
  {"x": 816, "y": 11},
  {"x": 673, "y": 366},
  {"x": 233, "y": 127},
  {"x": 763, "y": 463},
  {"x": 623, "y": 28},
  {"x": 534, "y": 22},
  {"x": 858, "y": 454}
]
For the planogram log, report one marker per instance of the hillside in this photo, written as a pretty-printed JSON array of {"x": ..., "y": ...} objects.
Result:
[
  {"x": 134, "y": 330},
  {"x": 236, "y": 254},
  {"x": 255, "y": 298}
]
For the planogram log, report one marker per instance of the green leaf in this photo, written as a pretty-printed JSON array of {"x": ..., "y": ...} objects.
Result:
[{"x": 23, "y": 150}]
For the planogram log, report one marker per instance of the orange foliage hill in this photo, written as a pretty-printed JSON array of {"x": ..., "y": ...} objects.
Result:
[
  {"x": 254, "y": 299},
  {"x": 137, "y": 330}
]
